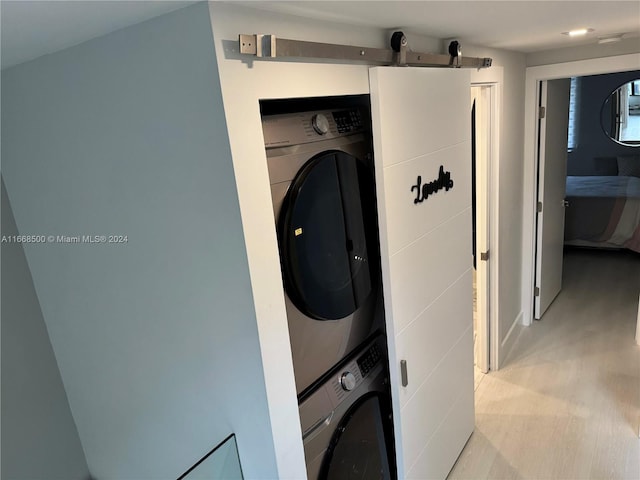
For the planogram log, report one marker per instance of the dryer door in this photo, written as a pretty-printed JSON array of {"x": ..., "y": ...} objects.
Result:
[
  {"x": 358, "y": 449},
  {"x": 327, "y": 234}
]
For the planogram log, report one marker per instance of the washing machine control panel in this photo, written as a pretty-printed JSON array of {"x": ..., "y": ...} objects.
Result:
[
  {"x": 348, "y": 381},
  {"x": 348, "y": 121},
  {"x": 370, "y": 359},
  {"x": 320, "y": 124},
  {"x": 309, "y": 127},
  {"x": 356, "y": 371}
]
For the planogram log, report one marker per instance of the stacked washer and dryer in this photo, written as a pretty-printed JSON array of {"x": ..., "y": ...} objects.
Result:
[{"x": 320, "y": 162}]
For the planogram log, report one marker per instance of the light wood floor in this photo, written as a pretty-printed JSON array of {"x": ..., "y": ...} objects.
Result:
[{"x": 567, "y": 404}]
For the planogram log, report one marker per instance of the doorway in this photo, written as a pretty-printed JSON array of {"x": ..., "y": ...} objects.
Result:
[
  {"x": 482, "y": 124},
  {"x": 535, "y": 75}
]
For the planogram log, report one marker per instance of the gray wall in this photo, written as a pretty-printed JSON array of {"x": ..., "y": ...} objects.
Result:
[
  {"x": 155, "y": 338},
  {"x": 592, "y": 141},
  {"x": 39, "y": 437}
]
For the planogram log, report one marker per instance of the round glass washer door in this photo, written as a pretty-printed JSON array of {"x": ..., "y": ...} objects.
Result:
[
  {"x": 358, "y": 448},
  {"x": 327, "y": 232}
]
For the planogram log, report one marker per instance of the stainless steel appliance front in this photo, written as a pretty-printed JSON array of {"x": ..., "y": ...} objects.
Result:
[{"x": 322, "y": 187}]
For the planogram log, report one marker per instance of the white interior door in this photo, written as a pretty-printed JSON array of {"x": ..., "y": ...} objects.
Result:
[
  {"x": 421, "y": 130},
  {"x": 481, "y": 98},
  {"x": 552, "y": 154}
]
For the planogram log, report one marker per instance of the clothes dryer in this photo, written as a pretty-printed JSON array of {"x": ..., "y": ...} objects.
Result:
[{"x": 323, "y": 192}]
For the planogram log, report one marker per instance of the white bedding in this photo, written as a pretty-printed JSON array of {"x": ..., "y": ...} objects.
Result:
[{"x": 603, "y": 210}]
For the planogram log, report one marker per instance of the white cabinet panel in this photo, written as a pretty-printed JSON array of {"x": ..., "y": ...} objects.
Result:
[{"x": 420, "y": 122}]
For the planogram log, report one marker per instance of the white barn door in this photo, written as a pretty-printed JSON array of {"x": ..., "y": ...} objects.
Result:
[{"x": 421, "y": 130}]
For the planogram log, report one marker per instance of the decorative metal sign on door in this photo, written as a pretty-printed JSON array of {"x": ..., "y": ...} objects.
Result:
[{"x": 423, "y": 191}]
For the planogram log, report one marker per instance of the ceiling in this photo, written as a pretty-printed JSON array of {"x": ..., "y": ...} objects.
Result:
[
  {"x": 31, "y": 28},
  {"x": 525, "y": 26},
  {"x": 34, "y": 28}
]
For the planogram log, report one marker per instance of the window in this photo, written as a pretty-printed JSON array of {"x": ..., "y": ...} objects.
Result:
[{"x": 574, "y": 114}]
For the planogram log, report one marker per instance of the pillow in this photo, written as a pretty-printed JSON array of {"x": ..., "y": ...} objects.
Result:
[{"x": 629, "y": 165}]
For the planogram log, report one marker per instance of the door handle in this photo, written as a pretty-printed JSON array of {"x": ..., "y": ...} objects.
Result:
[
  {"x": 565, "y": 203},
  {"x": 404, "y": 376},
  {"x": 323, "y": 421}
]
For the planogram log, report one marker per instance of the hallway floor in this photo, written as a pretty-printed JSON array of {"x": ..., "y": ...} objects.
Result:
[{"x": 567, "y": 403}]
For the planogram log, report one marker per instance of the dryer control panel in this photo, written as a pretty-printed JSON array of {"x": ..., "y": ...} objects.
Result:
[{"x": 306, "y": 127}]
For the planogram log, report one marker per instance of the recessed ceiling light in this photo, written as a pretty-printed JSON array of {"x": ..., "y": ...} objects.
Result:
[
  {"x": 578, "y": 32},
  {"x": 611, "y": 38}
]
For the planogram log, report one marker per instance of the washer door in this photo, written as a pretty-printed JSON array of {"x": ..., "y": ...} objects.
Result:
[
  {"x": 358, "y": 449},
  {"x": 327, "y": 227}
]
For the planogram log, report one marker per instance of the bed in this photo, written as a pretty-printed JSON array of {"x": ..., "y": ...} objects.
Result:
[{"x": 603, "y": 212}]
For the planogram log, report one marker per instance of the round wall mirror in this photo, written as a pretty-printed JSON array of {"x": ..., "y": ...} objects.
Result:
[{"x": 620, "y": 116}]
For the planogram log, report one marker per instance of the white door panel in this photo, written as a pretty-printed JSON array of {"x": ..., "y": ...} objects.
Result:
[
  {"x": 440, "y": 124},
  {"x": 427, "y": 339},
  {"x": 426, "y": 268},
  {"x": 404, "y": 227},
  {"x": 554, "y": 96},
  {"x": 422, "y": 416},
  {"x": 440, "y": 453},
  {"x": 420, "y": 121}
]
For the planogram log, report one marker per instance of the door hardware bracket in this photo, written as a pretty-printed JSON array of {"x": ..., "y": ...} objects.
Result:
[{"x": 270, "y": 46}]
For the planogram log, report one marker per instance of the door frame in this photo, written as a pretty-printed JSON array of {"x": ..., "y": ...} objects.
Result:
[
  {"x": 533, "y": 77},
  {"x": 485, "y": 127},
  {"x": 492, "y": 78}
]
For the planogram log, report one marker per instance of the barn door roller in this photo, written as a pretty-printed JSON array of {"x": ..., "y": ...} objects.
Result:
[{"x": 269, "y": 46}]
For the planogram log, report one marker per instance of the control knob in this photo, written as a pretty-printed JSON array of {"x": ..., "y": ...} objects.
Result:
[
  {"x": 320, "y": 124},
  {"x": 348, "y": 381}
]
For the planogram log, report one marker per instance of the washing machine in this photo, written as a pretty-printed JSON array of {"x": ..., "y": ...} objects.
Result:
[
  {"x": 346, "y": 421},
  {"x": 323, "y": 192}
]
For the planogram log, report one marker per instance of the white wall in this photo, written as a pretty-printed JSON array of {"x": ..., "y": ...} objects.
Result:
[
  {"x": 156, "y": 339},
  {"x": 39, "y": 436},
  {"x": 510, "y": 174}
]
